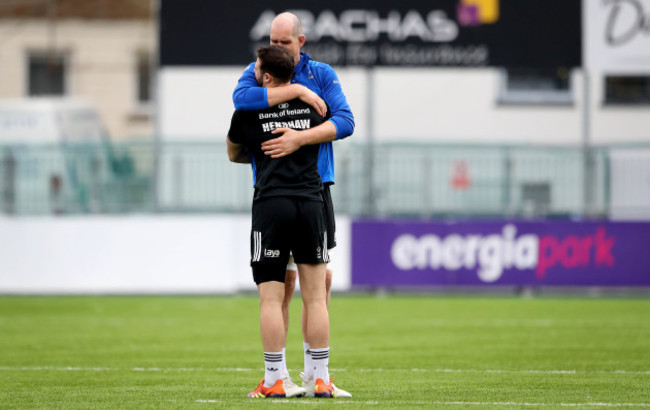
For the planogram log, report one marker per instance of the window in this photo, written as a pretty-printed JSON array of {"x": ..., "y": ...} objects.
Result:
[
  {"x": 143, "y": 78},
  {"x": 46, "y": 74},
  {"x": 627, "y": 90},
  {"x": 535, "y": 86}
]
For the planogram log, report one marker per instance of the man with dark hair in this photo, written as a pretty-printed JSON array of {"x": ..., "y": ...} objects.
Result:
[
  {"x": 315, "y": 83},
  {"x": 288, "y": 218}
]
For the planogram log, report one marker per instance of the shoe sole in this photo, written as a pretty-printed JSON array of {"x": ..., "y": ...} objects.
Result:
[
  {"x": 296, "y": 391},
  {"x": 324, "y": 395},
  {"x": 297, "y": 395},
  {"x": 270, "y": 396}
]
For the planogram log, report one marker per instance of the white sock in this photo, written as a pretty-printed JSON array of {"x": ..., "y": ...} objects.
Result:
[
  {"x": 284, "y": 361},
  {"x": 309, "y": 364},
  {"x": 272, "y": 368},
  {"x": 321, "y": 358}
]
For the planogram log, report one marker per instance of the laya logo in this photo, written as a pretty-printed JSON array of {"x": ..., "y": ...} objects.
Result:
[
  {"x": 271, "y": 253},
  {"x": 477, "y": 12},
  {"x": 283, "y": 106},
  {"x": 490, "y": 255}
]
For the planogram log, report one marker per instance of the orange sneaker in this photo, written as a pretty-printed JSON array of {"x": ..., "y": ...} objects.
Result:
[
  {"x": 323, "y": 390},
  {"x": 260, "y": 392}
]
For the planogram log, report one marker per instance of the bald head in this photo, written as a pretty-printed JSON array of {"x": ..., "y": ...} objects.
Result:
[
  {"x": 286, "y": 31},
  {"x": 287, "y": 21}
]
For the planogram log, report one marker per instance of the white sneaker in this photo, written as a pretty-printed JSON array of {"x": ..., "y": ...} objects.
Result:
[
  {"x": 308, "y": 385},
  {"x": 292, "y": 389},
  {"x": 340, "y": 392}
]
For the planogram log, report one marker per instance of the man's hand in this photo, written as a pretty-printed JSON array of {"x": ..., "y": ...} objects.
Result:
[
  {"x": 277, "y": 95},
  {"x": 311, "y": 98},
  {"x": 288, "y": 142}
]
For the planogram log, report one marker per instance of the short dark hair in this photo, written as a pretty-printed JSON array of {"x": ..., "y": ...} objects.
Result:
[{"x": 276, "y": 61}]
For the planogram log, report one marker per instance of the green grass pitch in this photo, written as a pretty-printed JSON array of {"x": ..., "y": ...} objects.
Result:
[{"x": 389, "y": 352}]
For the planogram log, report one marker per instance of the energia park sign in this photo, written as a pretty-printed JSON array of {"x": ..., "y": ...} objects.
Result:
[
  {"x": 458, "y": 33},
  {"x": 399, "y": 253}
]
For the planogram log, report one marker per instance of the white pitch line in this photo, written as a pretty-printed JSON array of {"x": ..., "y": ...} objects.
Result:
[
  {"x": 283, "y": 401},
  {"x": 505, "y": 371},
  {"x": 376, "y": 370},
  {"x": 316, "y": 401},
  {"x": 524, "y": 371},
  {"x": 524, "y": 404},
  {"x": 443, "y": 403}
]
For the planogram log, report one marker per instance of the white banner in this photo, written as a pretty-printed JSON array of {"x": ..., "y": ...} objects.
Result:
[
  {"x": 164, "y": 254},
  {"x": 617, "y": 36}
]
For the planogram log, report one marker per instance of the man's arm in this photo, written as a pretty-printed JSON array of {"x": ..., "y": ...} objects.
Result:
[
  {"x": 237, "y": 153},
  {"x": 290, "y": 140},
  {"x": 340, "y": 124},
  {"x": 341, "y": 114},
  {"x": 277, "y": 95},
  {"x": 249, "y": 96}
]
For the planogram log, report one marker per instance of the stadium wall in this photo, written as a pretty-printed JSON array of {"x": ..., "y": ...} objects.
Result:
[
  {"x": 136, "y": 255},
  {"x": 412, "y": 104},
  {"x": 210, "y": 254}
]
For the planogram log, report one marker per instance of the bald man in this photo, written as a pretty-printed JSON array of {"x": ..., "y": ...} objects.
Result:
[{"x": 314, "y": 83}]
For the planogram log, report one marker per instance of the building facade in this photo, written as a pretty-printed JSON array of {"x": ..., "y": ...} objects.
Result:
[{"x": 100, "y": 51}]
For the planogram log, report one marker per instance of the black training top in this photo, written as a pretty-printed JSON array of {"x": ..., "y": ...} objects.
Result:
[{"x": 294, "y": 175}]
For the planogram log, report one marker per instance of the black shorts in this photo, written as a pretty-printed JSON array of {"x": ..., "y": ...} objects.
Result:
[
  {"x": 330, "y": 223},
  {"x": 282, "y": 225}
]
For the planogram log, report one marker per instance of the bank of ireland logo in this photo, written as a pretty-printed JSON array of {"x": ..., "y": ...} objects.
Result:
[
  {"x": 283, "y": 106},
  {"x": 477, "y": 12}
]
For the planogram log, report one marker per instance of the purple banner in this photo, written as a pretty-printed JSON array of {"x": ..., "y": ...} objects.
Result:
[{"x": 511, "y": 253}]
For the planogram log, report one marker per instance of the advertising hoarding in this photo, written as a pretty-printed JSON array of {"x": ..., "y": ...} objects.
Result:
[
  {"x": 508, "y": 253},
  {"x": 617, "y": 36},
  {"x": 447, "y": 33}
]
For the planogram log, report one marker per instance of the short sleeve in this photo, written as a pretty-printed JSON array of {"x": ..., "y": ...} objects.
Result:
[{"x": 234, "y": 133}]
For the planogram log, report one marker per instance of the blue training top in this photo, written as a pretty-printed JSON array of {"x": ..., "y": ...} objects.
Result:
[{"x": 321, "y": 79}]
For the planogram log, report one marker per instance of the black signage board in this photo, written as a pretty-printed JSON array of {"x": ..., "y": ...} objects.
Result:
[{"x": 409, "y": 33}]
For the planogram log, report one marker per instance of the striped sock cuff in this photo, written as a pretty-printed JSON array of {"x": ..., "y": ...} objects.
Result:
[
  {"x": 272, "y": 357},
  {"x": 320, "y": 354}
]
